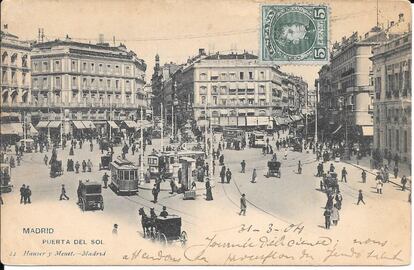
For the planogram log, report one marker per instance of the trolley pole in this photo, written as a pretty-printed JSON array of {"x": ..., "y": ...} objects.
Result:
[
  {"x": 162, "y": 128},
  {"x": 141, "y": 174}
]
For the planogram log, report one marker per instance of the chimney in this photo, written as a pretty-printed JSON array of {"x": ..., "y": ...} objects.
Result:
[
  {"x": 101, "y": 38},
  {"x": 201, "y": 51}
]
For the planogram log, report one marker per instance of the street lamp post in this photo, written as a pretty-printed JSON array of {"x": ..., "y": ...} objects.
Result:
[
  {"x": 141, "y": 174},
  {"x": 162, "y": 128},
  {"x": 346, "y": 148}
]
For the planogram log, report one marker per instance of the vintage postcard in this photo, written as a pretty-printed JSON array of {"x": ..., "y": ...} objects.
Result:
[{"x": 185, "y": 132}]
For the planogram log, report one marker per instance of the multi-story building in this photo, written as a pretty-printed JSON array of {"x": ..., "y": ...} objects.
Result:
[
  {"x": 76, "y": 82},
  {"x": 392, "y": 103},
  {"x": 14, "y": 70},
  {"x": 232, "y": 90}
]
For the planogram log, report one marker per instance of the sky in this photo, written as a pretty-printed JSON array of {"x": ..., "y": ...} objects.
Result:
[{"x": 176, "y": 29}]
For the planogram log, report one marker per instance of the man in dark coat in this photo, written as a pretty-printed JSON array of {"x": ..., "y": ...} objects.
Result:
[
  {"x": 155, "y": 192},
  {"x": 343, "y": 174},
  {"x": 243, "y": 166},
  {"x": 209, "y": 195},
  {"x": 221, "y": 160},
  {"x": 27, "y": 195},
  {"x": 228, "y": 175},
  {"x": 223, "y": 173},
  {"x": 105, "y": 179},
  {"x": 327, "y": 215},
  {"x": 63, "y": 195},
  {"x": 22, "y": 193},
  {"x": 360, "y": 197}
]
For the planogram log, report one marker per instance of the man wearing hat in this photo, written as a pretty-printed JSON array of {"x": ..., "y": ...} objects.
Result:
[
  {"x": 243, "y": 204},
  {"x": 164, "y": 212}
]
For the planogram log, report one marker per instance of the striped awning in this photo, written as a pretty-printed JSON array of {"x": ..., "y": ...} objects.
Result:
[
  {"x": 144, "y": 124},
  {"x": 42, "y": 124},
  {"x": 89, "y": 124},
  {"x": 130, "y": 124},
  {"x": 78, "y": 124},
  {"x": 113, "y": 124},
  {"x": 54, "y": 124},
  {"x": 9, "y": 129}
]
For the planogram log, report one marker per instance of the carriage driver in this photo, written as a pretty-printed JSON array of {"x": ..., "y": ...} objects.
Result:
[{"x": 164, "y": 212}]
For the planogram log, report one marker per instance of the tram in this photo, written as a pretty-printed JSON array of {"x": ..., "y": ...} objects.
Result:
[{"x": 124, "y": 177}]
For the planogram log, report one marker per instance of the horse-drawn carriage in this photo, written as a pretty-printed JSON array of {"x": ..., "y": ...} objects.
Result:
[
  {"x": 90, "y": 196},
  {"x": 56, "y": 168},
  {"x": 105, "y": 161},
  {"x": 330, "y": 182},
  {"x": 164, "y": 229},
  {"x": 5, "y": 178},
  {"x": 273, "y": 168}
]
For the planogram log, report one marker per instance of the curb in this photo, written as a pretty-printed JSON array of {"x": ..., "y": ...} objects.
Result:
[{"x": 369, "y": 171}]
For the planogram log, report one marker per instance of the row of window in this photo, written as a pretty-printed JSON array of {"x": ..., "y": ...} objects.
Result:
[
  {"x": 224, "y": 90},
  {"x": 233, "y": 101},
  {"x": 86, "y": 83},
  {"x": 86, "y": 67},
  {"x": 233, "y": 113},
  {"x": 13, "y": 59},
  {"x": 232, "y": 76}
]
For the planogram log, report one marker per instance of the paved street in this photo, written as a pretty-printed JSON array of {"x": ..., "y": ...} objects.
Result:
[{"x": 293, "y": 198}]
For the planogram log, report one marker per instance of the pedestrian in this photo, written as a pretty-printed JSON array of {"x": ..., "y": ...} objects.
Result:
[
  {"x": 172, "y": 185},
  {"x": 83, "y": 166},
  {"x": 45, "y": 159},
  {"x": 18, "y": 158},
  {"x": 254, "y": 175},
  {"x": 286, "y": 154},
  {"x": 228, "y": 175},
  {"x": 335, "y": 215},
  {"x": 91, "y": 146},
  {"x": 243, "y": 205},
  {"x": 395, "y": 171},
  {"x": 22, "y": 193},
  {"x": 209, "y": 194},
  {"x": 332, "y": 168},
  {"x": 164, "y": 212},
  {"x": 360, "y": 197},
  {"x": 115, "y": 229},
  {"x": 206, "y": 169},
  {"x": 89, "y": 165},
  {"x": 71, "y": 151},
  {"x": 364, "y": 176},
  {"x": 77, "y": 166},
  {"x": 221, "y": 160},
  {"x": 28, "y": 194},
  {"x": 344, "y": 173},
  {"x": 403, "y": 182},
  {"x": 63, "y": 194},
  {"x": 105, "y": 179},
  {"x": 223, "y": 173},
  {"x": 243, "y": 166},
  {"x": 379, "y": 186},
  {"x": 338, "y": 199},
  {"x": 299, "y": 167},
  {"x": 327, "y": 215},
  {"x": 155, "y": 192}
]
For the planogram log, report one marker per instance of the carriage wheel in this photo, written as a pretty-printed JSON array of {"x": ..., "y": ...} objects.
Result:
[
  {"x": 183, "y": 238},
  {"x": 102, "y": 205},
  {"x": 162, "y": 238}
]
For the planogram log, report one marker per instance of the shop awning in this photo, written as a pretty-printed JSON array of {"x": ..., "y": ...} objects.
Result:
[
  {"x": 42, "y": 124},
  {"x": 130, "y": 124},
  {"x": 32, "y": 130},
  {"x": 144, "y": 124},
  {"x": 54, "y": 124},
  {"x": 262, "y": 120},
  {"x": 337, "y": 129},
  {"x": 9, "y": 129},
  {"x": 89, "y": 124},
  {"x": 113, "y": 124},
  {"x": 78, "y": 124},
  {"x": 367, "y": 131}
]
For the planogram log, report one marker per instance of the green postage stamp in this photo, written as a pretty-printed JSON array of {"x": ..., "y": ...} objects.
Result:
[{"x": 295, "y": 34}]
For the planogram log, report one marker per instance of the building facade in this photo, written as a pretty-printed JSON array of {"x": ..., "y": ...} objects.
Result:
[
  {"x": 392, "y": 103},
  {"x": 73, "y": 81},
  {"x": 232, "y": 90},
  {"x": 15, "y": 71}
]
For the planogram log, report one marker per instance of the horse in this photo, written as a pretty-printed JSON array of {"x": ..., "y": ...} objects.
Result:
[{"x": 147, "y": 223}]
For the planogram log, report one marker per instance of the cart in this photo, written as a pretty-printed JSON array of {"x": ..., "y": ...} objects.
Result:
[
  {"x": 5, "y": 177},
  {"x": 90, "y": 196},
  {"x": 168, "y": 229},
  {"x": 105, "y": 162},
  {"x": 56, "y": 168},
  {"x": 273, "y": 169}
]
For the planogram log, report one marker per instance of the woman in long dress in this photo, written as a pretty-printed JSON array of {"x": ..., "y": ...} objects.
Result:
[
  {"x": 209, "y": 195},
  {"x": 335, "y": 215}
]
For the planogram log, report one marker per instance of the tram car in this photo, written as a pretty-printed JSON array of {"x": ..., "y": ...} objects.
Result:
[
  {"x": 168, "y": 229},
  {"x": 105, "y": 161},
  {"x": 257, "y": 139},
  {"x": 5, "y": 178},
  {"x": 124, "y": 177},
  {"x": 166, "y": 163},
  {"x": 90, "y": 196},
  {"x": 234, "y": 138}
]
